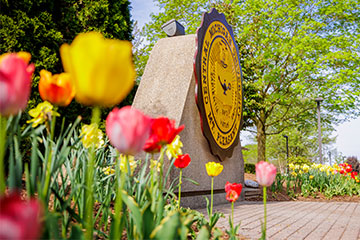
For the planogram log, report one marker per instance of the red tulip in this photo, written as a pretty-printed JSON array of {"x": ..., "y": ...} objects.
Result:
[
  {"x": 20, "y": 219},
  {"x": 128, "y": 129},
  {"x": 233, "y": 191},
  {"x": 163, "y": 132},
  {"x": 265, "y": 173},
  {"x": 15, "y": 82},
  {"x": 348, "y": 168},
  {"x": 353, "y": 175},
  {"x": 182, "y": 161},
  {"x": 57, "y": 88},
  {"x": 152, "y": 144}
]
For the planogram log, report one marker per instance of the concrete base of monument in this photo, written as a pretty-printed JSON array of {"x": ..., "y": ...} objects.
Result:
[{"x": 167, "y": 88}]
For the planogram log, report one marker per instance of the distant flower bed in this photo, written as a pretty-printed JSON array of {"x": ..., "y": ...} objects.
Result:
[{"x": 305, "y": 180}]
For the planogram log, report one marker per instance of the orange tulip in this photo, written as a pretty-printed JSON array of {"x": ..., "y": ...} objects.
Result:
[{"x": 57, "y": 88}]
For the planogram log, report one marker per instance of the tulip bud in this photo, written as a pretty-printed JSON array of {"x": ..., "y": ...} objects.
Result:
[
  {"x": 56, "y": 89},
  {"x": 128, "y": 129},
  {"x": 15, "y": 83},
  {"x": 20, "y": 219},
  {"x": 265, "y": 173},
  {"x": 182, "y": 161}
]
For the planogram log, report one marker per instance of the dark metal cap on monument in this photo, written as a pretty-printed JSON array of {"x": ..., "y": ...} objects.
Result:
[{"x": 219, "y": 93}]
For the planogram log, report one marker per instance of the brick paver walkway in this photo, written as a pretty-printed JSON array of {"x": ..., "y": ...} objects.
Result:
[{"x": 296, "y": 219}]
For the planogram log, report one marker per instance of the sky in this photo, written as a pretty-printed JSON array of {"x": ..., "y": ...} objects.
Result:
[{"x": 348, "y": 134}]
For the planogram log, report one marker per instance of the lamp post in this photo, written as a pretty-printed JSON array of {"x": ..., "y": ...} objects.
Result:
[
  {"x": 287, "y": 146},
  {"x": 318, "y": 101},
  {"x": 287, "y": 152}
]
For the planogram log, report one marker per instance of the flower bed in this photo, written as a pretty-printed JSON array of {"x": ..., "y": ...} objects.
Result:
[
  {"x": 74, "y": 181},
  {"x": 329, "y": 181}
]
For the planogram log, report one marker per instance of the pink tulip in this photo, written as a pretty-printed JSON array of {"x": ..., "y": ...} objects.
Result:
[
  {"x": 15, "y": 83},
  {"x": 265, "y": 173},
  {"x": 128, "y": 129},
  {"x": 20, "y": 219}
]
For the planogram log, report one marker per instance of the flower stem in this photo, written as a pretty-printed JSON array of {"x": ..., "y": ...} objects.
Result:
[
  {"x": 180, "y": 182},
  {"x": 49, "y": 159},
  {"x": 120, "y": 176},
  {"x": 232, "y": 213},
  {"x": 89, "y": 196},
  {"x": 264, "y": 199},
  {"x": 161, "y": 159},
  {"x": 212, "y": 197},
  {"x": 3, "y": 122}
]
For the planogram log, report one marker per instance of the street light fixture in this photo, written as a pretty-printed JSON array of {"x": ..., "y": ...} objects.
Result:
[
  {"x": 287, "y": 153},
  {"x": 287, "y": 146},
  {"x": 173, "y": 28},
  {"x": 318, "y": 100}
]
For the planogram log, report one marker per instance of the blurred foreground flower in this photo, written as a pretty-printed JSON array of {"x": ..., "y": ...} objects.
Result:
[
  {"x": 42, "y": 113},
  {"x": 20, "y": 219},
  {"x": 15, "y": 82},
  {"x": 174, "y": 149},
  {"x": 101, "y": 69},
  {"x": 128, "y": 129},
  {"x": 213, "y": 169},
  {"x": 265, "y": 173},
  {"x": 233, "y": 191},
  {"x": 91, "y": 136},
  {"x": 56, "y": 89},
  {"x": 123, "y": 164},
  {"x": 163, "y": 132}
]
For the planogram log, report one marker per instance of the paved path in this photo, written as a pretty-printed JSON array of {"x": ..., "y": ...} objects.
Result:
[{"x": 296, "y": 219}]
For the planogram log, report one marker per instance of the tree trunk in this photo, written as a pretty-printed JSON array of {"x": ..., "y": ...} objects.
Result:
[{"x": 261, "y": 137}]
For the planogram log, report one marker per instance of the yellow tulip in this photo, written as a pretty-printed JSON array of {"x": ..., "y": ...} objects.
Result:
[
  {"x": 101, "y": 69},
  {"x": 291, "y": 166},
  {"x": 213, "y": 169},
  {"x": 305, "y": 168},
  {"x": 311, "y": 177}
]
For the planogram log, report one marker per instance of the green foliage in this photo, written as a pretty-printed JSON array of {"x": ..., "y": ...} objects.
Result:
[
  {"x": 233, "y": 230},
  {"x": 59, "y": 167},
  {"x": 249, "y": 152},
  {"x": 299, "y": 160},
  {"x": 41, "y": 27},
  {"x": 249, "y": 168}
]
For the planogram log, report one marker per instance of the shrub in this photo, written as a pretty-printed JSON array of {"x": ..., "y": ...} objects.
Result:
[
  {"x": 249, "y": 168},
  {"x": 299, "y": 160}
]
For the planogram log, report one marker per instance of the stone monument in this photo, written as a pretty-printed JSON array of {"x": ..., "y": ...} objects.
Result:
[{"x": 169, "y": 88}]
